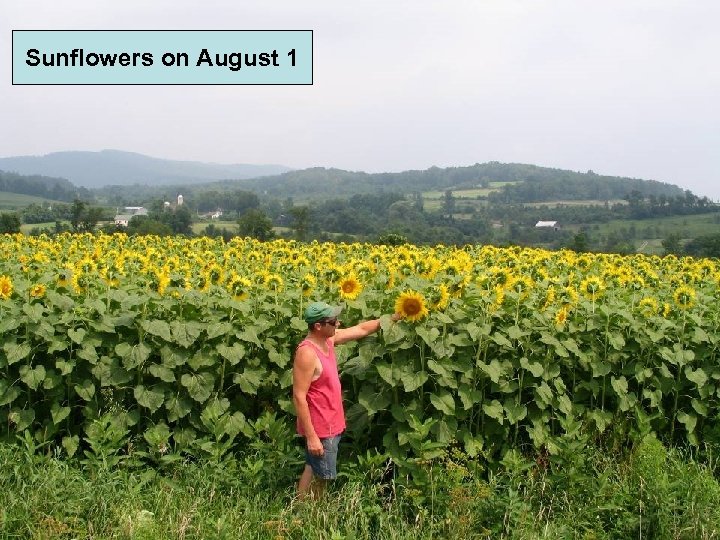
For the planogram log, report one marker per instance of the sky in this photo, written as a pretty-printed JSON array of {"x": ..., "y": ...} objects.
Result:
[{"x": 620, "y": 87}]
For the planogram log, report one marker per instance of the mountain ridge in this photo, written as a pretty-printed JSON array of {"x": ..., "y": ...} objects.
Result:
[{"x": 91, "y": 169}]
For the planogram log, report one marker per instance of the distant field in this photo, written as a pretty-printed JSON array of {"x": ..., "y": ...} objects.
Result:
[
  {"x": 586, "y": 202},
  {"x": 15, "y": 201},
  {"x": 199, "y": 227}
]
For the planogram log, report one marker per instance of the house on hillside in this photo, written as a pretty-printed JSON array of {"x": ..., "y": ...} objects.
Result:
[
  {"x": 122, "y": 220},
  {"x": 547, "y": 225}
]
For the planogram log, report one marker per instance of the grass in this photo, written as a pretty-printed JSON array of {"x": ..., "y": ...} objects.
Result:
[
  {"x": 15, "y": 201},
  {"x": 200, "y": 226},
  {"x": 585, "y": 202},
  {"x": 586, "y": 492}
]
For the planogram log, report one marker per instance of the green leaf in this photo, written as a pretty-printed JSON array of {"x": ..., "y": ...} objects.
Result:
[
  {"x": 238, "y": 424},
  {"x": 59, "y": 413},
  {"x": 33, "y": 377},
  {"x": 22, "y": 418},
  {"x": 515, "y": 333},
  {"x": 202, "y": 359},
  {"x": 600, "y": 368},
  {"x": 543, "y": 395},
  {"x": 494, "y": 370},
  {"x": 473, "y": 445},
  {"x": 438, "y": 368},
  {"x": 70, "y": 444},
  {"x": 15, "y": 353},
  {"x": 250, "y": 335},
  {"x": 689, "y": 419},
  {"x": 616, "y": 341},
  {"x": 199, "y": 385},
  {"x": 76, "y": 336},
  {"x": 551, "y": 340},
  {"x": 495, "y": 410},
  {"x": 185, "y": 333},
  {"x": 372, "y": 401},
  {"x": 514, "y": 411},
  {"x": 499, "y": 338},
  {"x": 178, "y": 407},
  {"x": 279, "y": 359},
  {"x": 535, "y": 368},
  {"x": 220, "y": 329},
  {"x": 65, "y": 367},
  {"x": 620, "y": 385},
  {"x": 86, "y": 389},
  {"x": 468, "y": 397},
  {"x": 443, "y": 402},
  {"x": 601, "y": 418},
  {"x": 161, "y": 372},
  {"x": 250, "y": 379},
  {"x": 565, "y": 405},
  {"x": 233, "y": 354},
  {"x": 697, "y": 376},
  {"x": 88, "y": 352},
  {"x": 150, "y": 398},
  {"x": 133, "y": 355},
  {"x": 159, "y": 328},
  {"x": 10, "y": 395},
  {"x": 700, "y": 407},
  {"x": 157, "y": 436},
  {"x": 386, "y": 372},
  {"x": 413, "y": 381},
  {"x": 110, "y": 373},
  {"x": 428, "y": 336}
]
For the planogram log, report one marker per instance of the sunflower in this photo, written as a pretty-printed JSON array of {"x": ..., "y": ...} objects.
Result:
[
  {"x": 239, "y": 287},
  {"x": 648, "y": 306},
  {"x": 439, "y": 297},
  {"x": 159, "y": 280},
  {"x": 307, "y": 284},
  {"x": 592, "y": 287},
  {"x": 350, "y": 287},
  {"x": 273, "y": 282},
  {"x": 549, "y": 297},
  {"x": 684, "y": 297},
  {"x": 37, "y": 290},
  {"x": 561, "y": 316},
  {"x": 411, "y": 305},
  {"x": 6, "y": 287}
]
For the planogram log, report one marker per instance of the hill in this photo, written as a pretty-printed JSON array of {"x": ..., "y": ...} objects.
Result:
[
  {"x": 504, "y": 182},
  {"x": 113, "y": 167},
  {"x": 44, "y": 187},
  {"x": 13, "y": 201}
]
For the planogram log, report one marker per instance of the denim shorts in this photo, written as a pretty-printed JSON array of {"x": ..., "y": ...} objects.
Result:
[{"x": 325, "y": 466}]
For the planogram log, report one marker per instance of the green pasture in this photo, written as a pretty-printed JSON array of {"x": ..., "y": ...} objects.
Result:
[
  {"x": 584, "y": 202},
  {"x": 688, "y": 227},
  {"x": 15, "y": 201}
]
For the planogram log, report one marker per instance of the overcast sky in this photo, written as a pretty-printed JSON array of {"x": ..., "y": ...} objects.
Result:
[{"x": 622, "y": 87}]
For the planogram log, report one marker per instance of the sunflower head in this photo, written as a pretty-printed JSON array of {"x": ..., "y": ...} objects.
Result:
[
  {"x": 307, "y": 284},
  {"x": 592, "y": 287},
  {"x": 411, "y": 305},
  {"x": 648, "y": 306},
  {"x": 439, "y": 297},
  {"x": 350, "y": 287},
  {"x": 239, "y": 287},
  {"x": 6, "y": 287},
  {"x": 37, "y": 290},
  {"x": 561, "y": 316},
  {"x": 684, "y": 297}
]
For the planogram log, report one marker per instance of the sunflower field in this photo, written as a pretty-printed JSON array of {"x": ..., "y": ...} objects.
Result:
[{"x": 187, "y": 343}]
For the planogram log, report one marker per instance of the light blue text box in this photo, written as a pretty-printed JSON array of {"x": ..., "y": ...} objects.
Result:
[{"x": 280, "y": 56}]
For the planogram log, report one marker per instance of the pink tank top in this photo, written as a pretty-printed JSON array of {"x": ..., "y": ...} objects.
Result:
[{"x": 324, "y": 396}]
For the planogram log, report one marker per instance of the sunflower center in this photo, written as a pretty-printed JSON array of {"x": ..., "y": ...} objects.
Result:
[{"x": 412, "y": 306}]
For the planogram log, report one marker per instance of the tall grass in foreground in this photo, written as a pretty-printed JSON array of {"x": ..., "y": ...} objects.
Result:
[{"x": 589, "y": 493}]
